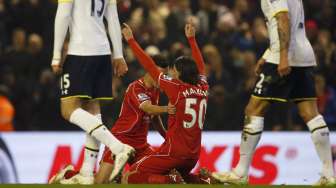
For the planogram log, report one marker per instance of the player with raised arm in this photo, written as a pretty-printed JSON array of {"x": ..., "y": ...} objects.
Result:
[
  {"x": 139, "y": 110},
  {"x": 86, "y": 76},
  {"x": 285, "y": 74},
  {"x": 187, "y": 89}
]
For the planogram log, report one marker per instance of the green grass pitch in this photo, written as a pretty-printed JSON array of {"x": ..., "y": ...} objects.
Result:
[{"x": 134, "y": 186}]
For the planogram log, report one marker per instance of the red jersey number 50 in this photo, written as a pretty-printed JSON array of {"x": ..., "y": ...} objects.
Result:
[{"x": 191, "y": 110}]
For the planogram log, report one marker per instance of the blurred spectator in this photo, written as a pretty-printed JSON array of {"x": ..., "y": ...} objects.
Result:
[
  {"x": 6, "y": 114},
  {"x": 218, "y": 75},
  {"x": 326, "y": 100},
  {"x": 181, "y": 11}
]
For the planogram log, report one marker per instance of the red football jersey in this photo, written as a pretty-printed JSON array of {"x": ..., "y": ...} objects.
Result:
[
  {"x": 184, "y": 135},
  {"x": 183, "y": 138},
  {"x": 132, "y": 124}
]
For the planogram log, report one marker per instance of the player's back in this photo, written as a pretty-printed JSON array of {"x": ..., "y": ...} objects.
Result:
[
  {"x": 185, "y": 127},
  {"x": 88, "y": 36},
  {"x": 132, "y": 124}
]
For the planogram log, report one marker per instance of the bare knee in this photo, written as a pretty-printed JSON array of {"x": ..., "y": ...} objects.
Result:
[
  {"x": 68, "y": 106},
  {"x": 124, "y": 179},
  {"x": 103, "y": 174},
  {"x": 100, "y": 180},
  {"x": 308, "y": 110},
  {"x": 256, "y": 107},
  {"x": 92, "y": 106},
  {"x": 307, "y": 115}
]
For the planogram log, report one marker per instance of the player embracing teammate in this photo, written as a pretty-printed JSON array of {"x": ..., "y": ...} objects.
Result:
[{"x": 187, "y": 90}]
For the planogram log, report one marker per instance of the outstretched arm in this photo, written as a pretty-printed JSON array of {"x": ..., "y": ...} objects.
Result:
[
  {"x": 196, "y": 53},
  {"x": 145, "y": 60},
  {"x": 152, "y": 109}
]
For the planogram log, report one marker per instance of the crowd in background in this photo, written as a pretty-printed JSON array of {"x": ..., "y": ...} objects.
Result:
[{"x": 232, "y": 36}]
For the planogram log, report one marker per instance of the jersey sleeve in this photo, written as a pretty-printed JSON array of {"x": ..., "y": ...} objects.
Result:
[
  {"x": 170, "y": 86},
  {"x": 114, "y": 28},
  {"x": 278, "y": 6},
  {"x": 197, "y": 55},
  {"x": 62, "y": 21},
  {"x": 138, "y": 96}
]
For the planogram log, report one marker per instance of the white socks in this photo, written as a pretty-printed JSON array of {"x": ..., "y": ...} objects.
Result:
[
  {"x": 94, "y": 127},
  {"x": 252, "y": 133},
  {"x": 90, "y": 153},
  {"x": 253, "y": 128},
  {"x": 320, "y": 136}
]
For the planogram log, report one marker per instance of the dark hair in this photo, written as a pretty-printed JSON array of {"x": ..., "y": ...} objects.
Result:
[
  {"x": 160, "y": 61},
  {"x": 187, "y": 69}
]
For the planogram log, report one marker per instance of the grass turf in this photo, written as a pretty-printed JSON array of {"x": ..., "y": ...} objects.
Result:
[{"x": 135, "y": 186}]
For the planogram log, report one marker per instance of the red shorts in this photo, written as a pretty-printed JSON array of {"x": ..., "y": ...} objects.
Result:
[{"x": 139, "y": 154}]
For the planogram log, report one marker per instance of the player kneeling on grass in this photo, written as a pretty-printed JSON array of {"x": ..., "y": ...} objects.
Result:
[
  {"x": 139, "y": 110},
  {"x": 187, "y": 89}
]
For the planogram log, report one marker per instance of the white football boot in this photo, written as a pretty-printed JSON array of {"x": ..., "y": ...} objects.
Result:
[
  {"x": 324, "y": 181},
  {"x": 60, "y": 175},
  {"x": 78, "y": 179},
  {"x": 120, "y": 161},
  {"x": 230, "y": 178}
]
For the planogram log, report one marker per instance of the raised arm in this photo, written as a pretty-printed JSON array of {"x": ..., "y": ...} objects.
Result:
[
  {"x": 62, "y": 21},
  {"x": 145, "y": 60},
  {"x": 196, "y": 53}
]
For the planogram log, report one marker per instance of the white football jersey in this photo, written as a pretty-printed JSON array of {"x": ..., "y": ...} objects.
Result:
[
  {"x": 88, "y": 36},
  {"x": 300, "y": 53}
]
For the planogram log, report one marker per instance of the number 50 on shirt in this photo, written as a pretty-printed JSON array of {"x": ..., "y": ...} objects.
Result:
[{"x": 191, "y": 108}]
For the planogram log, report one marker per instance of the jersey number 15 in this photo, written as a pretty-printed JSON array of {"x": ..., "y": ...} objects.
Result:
[{"x": 200, "y": 117}]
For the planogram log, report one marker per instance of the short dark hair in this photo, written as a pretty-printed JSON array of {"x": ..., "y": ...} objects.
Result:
[
  {"x": 160, "y": 61},
  {"x": 187, "y": 69}
]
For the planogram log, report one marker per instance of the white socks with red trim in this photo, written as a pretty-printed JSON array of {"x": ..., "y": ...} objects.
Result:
[
  {"x": 320, "y": 136},
  {"x": 94, "y": 127},
  {"x": 251, "y": 135}
]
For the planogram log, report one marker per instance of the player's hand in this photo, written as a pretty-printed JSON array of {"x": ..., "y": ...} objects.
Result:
[
  {"x": 283, "y": 68},
  {"x": 189, "y": 29},
  {"x": 171, "y": 109},
  {"x": 259, "y": 66},
  {"x": 119, "y": 66},
  {"x": 56, "y": 66},
  {"x": 127, "y": 32}
]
